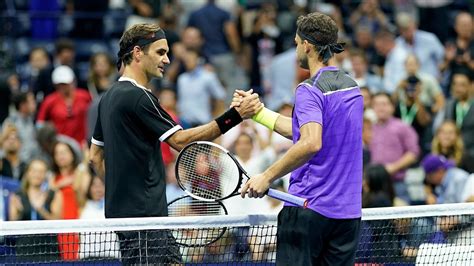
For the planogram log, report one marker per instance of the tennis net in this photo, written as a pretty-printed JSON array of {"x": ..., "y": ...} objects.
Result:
[{"x": 417, "y": 235}]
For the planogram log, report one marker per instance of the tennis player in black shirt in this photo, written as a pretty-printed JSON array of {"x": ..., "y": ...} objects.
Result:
[{"x": 126, "y": 141}]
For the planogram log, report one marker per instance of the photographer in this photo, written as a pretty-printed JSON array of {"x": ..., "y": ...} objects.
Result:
[{"x": 414, "y": 96}]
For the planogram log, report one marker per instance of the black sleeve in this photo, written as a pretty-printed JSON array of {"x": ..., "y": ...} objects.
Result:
[
  {"x": 152, "y": 115},
  {"x": 98, "y": 137}
]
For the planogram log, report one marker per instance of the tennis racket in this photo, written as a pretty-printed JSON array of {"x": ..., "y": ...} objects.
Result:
[
  {"x": 208, "y": 172},
  {"x": 189, "y": 206}
]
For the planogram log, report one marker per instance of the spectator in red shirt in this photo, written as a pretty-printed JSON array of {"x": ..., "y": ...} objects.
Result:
[{"x": 67, "y": 106}]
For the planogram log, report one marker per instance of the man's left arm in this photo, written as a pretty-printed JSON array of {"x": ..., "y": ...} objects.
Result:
[
  {"x": 309, "y": 144},
  {"x": 96, "y": 154}
]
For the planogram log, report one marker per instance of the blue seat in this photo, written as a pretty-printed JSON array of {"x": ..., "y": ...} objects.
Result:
[{"x": 8, "y": 186}]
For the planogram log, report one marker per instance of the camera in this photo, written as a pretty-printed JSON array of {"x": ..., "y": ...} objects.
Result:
[{"x": 411, "y": 87}]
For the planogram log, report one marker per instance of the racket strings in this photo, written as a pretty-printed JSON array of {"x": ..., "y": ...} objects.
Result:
[
  {"x": 187, "y": 206},
  {"x": 208, "y": 172}
]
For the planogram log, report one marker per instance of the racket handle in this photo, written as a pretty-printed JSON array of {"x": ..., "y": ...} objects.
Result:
[{"x": 283, "y": 196}]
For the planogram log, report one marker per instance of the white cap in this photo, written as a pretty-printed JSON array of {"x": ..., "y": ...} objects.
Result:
[{"x": 62, "y": 75}]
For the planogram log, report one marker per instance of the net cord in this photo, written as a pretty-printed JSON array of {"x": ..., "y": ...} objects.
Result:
[{"x": 134, "y": 224}]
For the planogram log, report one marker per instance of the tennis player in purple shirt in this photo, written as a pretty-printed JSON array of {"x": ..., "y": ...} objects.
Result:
[{"x": 326, "y": 159}]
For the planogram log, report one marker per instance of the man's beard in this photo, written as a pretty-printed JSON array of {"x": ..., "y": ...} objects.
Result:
[{"x": 304, "y": 62}]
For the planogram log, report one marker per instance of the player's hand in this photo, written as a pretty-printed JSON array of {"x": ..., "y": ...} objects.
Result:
[
  {"x": 249, "y": 106},
  {"x": 238, "y": 96},
  {"x": 256, "y": 187}
]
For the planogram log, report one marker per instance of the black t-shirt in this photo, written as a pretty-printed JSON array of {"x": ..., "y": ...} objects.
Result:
[{"x": 129, "y": 125}]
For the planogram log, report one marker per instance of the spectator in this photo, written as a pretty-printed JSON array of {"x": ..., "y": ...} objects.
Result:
[
  {"x": 425, "y": 45},
  {"x": 360, "y": 72},
  {"x": 431, "y": 94},
  {"x": 99, "y": 245},
  {"x": 377, "y": 188},
  {"x": 445, "y": 182},
  {"x": 11, "y": 164},
  {"x": 395, "y": 56},
  {"x": 449, "y": 184},
  {"x": 394, "y": 143},
  {"x": 263, "y": 44},
  {"x": 71, "y": 180},
  {"x": 202, "y": 101},
  {"x": 102, "y": 74},
  {"x": 67, "y": 107},
  {"x": 221, "y": 44},
  {"x": 369, "y": 14},
  {"x": 448, "y": 143},
  {"x": 191, "y": 38},
  {"x": 364, "y": 40},
  {"x": 460, "y": 51},
  {"x": 33, "y": 202},
  {"x": 411, "y": 109},
  {"x": 64, "y": 55},
  {"x": 461, "y": 109},
  {"x": 94, "y": 205},
  {"x": 23, "y": 120},
  {"x": 38, "y": 60}
]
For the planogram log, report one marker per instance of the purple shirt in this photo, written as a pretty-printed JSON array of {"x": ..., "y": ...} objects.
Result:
[
  {"x": 332, "y": 179},
  {"x": 390, "y": 141}
]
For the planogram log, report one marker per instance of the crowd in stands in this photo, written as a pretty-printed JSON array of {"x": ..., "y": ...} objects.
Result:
[{"x": 413, "y": 60}]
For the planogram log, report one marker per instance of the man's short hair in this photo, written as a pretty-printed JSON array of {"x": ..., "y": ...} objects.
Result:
[
  {"x": 378, "y": 94},
  {"x": 133, "y": 34},
  {"x": 64, "y": 44},
  {"x": 18, "y": 99},
  {"x": 466, "y": 72},
  {"x": 320, "y": 27}
]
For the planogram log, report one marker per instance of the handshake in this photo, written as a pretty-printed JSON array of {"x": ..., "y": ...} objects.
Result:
[{"x": 247, "y": 103}]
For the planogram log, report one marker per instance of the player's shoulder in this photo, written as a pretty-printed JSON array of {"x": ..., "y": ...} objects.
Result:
[{"x": 331, "y": 81}]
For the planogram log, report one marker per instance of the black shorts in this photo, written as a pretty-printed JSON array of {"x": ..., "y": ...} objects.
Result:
[
  {"x": 150, "y": 247},
  {"x": 305, "y": 237}
]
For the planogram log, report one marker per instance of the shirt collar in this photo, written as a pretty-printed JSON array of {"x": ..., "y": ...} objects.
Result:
[{"x": 134, "y": 82}]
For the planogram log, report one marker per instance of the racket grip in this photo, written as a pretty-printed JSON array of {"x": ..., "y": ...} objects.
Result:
[{"x": 286, "y": 197}]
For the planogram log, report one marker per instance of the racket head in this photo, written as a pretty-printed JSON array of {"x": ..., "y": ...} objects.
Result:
[
  {"x": 208, "y": 172},
  {"x": 189, "y": 206}
]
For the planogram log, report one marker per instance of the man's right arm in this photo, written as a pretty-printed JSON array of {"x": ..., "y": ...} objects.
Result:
[
  {"x": 283, "y": 126},
  {"x": 210, "y": 131}
]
